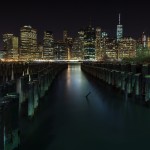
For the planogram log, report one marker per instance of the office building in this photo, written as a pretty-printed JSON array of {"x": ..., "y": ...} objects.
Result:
[
  {"x": 69, "y": 44},
  {"x": 148, "y": 42},
  {"x": 126, "y": 48},
  {"x": 48, "y": 45},
  {"x": 40, "y": 50},
  {"x": 103, "y": 46},
  {"x": 144, "y": 40},
  {"x": 28, "y": 43},
  {"x": 110, "y": 49},
  {"x": 76, "y": 53},
  {"x": 119, "y": 30},
  {"x": 65, "y": 35},
  {"x": 60, "y": 51},
  {"x": 89, "y": 43},
  {"x": 81, "y": 42},
  {"x": 98, "y": 50},
  {"x": 10, "y": 46}
]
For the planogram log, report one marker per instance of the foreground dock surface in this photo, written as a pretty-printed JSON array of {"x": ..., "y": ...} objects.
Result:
[{"x": 68, "y": 120}]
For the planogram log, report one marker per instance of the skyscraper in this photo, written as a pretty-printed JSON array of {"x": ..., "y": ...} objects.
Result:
[
  {"x": 76, "y": 53},
  {"x": 98, "y": 44},
  {"x": 108, "y": 47},
  {"x": 28, "y": 42},
  {"x": 148, "y": 42},
  {"x": 89, "y": 43},
  {"x": 65, "y": 35},
  {"x": 81, "y": 43},
  {"x": 60, "y": 51},
  {"x": 7, "y": 41},
  {"x": 119, "y": 30},
  {"x": 15, "y": 47},
  {"x": 10, "y": 45},
  {"x": 69, "y": 43},
  {"x": 144, "y": 40},
  {"x": 126, "y": 48},
  {"x": 48, "y": 45},
  {"x": 40, "y": 50}
]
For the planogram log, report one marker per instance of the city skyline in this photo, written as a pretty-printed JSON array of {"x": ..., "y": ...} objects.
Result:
[{"x": 73, "y": 16}]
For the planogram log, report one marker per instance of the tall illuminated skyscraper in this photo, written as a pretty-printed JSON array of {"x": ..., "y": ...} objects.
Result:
[
  {"x": 10, "y": 45},
  {"x": 76, "y": 49},
  {"x": 65, "y": 35},
  {"x": 81, "y": 42},
  {"x": 89, "y": 43},
  {"x": 60, "y": 51},
  {"x": 15, "y": 47},
  {"x": 7, "y": 41},
  {"x": 144, "y": 40},
  {"x": 69, "y": 43},
  {"x": 48, "y": 47},
  {"x": 40, "y": 50},
  {"x": 148, "y": 42},
  {"x": 98, "y": 44},
  {"x": 28, "y": 42},
  {"x": 119, "y": 30}
]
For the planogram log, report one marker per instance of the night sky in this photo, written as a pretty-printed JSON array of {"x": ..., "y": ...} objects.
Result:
[{"x": 73, "y": 15}]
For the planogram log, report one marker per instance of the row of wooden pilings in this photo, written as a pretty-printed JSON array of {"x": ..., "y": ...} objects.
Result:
[
  {"x": 132, "y": 79},
  {"x": 20, "y": 96}
]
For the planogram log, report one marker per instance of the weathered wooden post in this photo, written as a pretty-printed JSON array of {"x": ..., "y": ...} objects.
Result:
[
  {"x": 137, "y": 86},
  {"x": 30, "y": 100},
  {"x": 147, "y": 88},
  {"x": 11, "y": 121}
]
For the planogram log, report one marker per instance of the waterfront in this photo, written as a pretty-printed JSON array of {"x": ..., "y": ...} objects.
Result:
[{"x": 67, "y": 120}]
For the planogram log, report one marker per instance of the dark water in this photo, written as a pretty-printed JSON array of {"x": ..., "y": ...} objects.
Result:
[{"x": 69, "y": 121}]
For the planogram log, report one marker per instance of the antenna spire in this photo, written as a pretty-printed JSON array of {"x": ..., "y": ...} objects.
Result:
[
  {"x": 119, "y": 18},
  {"x": 90, "y": 21}
]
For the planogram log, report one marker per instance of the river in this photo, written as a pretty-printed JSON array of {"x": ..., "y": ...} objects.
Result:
[{"x": 68, "y": 120}]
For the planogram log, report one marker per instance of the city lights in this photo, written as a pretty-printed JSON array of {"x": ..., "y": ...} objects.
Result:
[{"x": 90, "y": 44}]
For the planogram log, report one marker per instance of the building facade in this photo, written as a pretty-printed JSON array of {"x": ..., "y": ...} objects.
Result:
[
  {"x": 81, "y": 42},
  {"x": 98, "y": 49},
  {"x": 48, "y": 45},
  {"x": 76, "y": 53},
  {"x": 28, "y": 43},
  {"x": 126, "y": 48},
  {"x": 89, "y": 43},
  {"x": 60, "y": 51},
  {"x": 65, "y": 35},
  {"x": 119, "y": 30},
  {"x": 10, "y": 46}
]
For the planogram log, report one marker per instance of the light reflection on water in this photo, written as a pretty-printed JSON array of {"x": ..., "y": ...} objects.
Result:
[
  {"x": 71, "y": 72},
  {"x": 104, "y": 120}
]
